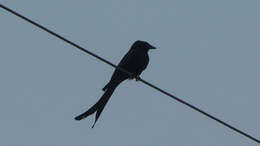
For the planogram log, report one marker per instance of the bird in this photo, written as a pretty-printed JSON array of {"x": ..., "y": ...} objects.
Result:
[{"x": 131, "y": 66}]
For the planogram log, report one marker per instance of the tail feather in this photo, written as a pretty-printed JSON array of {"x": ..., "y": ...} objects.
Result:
[
  {"x": 99, "y": 110},
  {"x": 103, "y": 103},
  {"x": 88, "y": 112},
  {"x": 99, "y": 106}
]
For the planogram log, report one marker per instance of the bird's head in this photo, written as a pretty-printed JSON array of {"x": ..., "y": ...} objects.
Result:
[{"x": 142, "y": 45}]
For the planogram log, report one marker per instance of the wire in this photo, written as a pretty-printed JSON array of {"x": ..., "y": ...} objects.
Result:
[{"x": 137, "y": 78}]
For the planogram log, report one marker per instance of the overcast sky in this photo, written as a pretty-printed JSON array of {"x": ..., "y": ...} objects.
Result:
[{"x": 208, "y": 54}]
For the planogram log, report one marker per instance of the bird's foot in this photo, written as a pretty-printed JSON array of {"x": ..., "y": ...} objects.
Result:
[{"x": 137, "y": 78}]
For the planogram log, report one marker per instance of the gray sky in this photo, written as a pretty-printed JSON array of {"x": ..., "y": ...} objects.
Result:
[{"x": 208, "y": 54}]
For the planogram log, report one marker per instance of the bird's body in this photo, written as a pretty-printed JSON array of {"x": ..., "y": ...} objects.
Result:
[{"x": 134, "y": 62}]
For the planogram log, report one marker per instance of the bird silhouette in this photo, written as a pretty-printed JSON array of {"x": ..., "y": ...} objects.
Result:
[{"x": 135, "y": 61}]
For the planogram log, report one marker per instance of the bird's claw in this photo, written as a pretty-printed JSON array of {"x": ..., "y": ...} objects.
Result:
[{"x": 137, "y": 78}]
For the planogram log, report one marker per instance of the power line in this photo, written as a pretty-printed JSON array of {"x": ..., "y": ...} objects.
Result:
[{"x": 137, "y": 78}]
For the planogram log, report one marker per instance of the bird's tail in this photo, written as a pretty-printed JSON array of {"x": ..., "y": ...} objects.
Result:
[{"x": 99, "y": 106}]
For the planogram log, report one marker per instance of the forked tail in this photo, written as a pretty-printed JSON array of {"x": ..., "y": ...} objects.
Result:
[{"x": 99, "y": 106}]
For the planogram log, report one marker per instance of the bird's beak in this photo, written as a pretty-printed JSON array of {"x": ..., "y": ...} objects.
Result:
[{"x": 152, "y": 47}]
